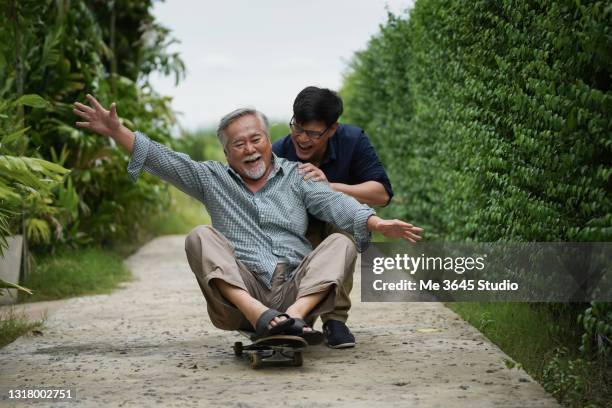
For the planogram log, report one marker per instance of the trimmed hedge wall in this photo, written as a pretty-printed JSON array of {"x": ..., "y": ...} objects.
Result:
[{"x": 494, "y": 120}]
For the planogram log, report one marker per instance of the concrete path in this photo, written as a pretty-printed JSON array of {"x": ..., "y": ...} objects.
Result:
[{"x": 151, "y": 344}]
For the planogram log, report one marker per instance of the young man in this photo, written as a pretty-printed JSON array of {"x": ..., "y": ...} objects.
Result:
[
  {"x": 342, "y": 156},
  {"x": 254, "y": 265},
  {"x": 329, "y": 151}
]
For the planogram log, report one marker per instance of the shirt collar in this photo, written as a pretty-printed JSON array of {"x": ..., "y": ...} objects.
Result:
[
  {"x": 276, "y": 166},
  {"x": 330, "y": 151}
]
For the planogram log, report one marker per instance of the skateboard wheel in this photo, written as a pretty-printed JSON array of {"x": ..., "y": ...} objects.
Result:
[
  {"x": 256, "y": 360},
  {"x": 298, "y": 360},
  {"x": 238, "y": 348}
]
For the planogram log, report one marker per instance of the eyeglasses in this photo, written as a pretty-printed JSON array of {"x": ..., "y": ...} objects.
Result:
[{"x": 313, "y": 134}]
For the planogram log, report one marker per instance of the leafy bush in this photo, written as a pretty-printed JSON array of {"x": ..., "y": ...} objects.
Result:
[
  {"x": 26, "y": 183},
  {"x": 494, "y": 121},
  {"x": 565, "y": 378},
  {"x": 468, "y": 106},
  {"x": 597, "y": 337},
  {"x": 62, "y": 50}
]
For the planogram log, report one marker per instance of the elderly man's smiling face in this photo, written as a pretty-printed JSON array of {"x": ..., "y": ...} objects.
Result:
[{"x": 248, "y": 148}]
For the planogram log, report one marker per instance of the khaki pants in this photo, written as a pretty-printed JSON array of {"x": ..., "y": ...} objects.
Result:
[
  {"x": 316, "y": 233},
  {"x": 211, "y": 256}
]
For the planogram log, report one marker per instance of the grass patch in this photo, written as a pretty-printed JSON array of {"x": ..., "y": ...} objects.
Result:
[
  {"x": 522, "y": 331},
  {"x": 184, "y": 214},
  {"x": 89, "y": 271},
  {"x": 69, "y": 273},
  {"x": 544, "y": 340},
  {"x": 13, "y": 326}
]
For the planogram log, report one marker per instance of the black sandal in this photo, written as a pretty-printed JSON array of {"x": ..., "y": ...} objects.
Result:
[
  {"x": 312, "y": 337},
  {"x": 262, "y": 330}
]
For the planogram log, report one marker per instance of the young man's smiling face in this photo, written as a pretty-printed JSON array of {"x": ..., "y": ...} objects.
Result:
[
  {"x": 310, "y": 140},
  {"x": 248, "y": 148}
]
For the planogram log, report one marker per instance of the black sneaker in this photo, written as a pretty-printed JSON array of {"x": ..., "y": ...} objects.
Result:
[{"x": 337, "y": 335}]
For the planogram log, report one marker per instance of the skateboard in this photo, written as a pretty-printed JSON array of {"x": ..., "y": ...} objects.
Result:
[{"x": 272, "y": 349}]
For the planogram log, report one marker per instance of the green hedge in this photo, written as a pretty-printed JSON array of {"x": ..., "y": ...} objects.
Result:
[
  {"x": 493, "y": 119},
  {"x": 494, "y": 122}
]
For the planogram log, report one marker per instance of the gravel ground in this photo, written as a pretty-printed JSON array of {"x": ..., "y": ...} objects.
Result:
[{"x": 150, "y": 343}]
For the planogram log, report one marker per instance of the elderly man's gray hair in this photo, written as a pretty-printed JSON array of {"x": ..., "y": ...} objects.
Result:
[{"x": 238, "y": 113}]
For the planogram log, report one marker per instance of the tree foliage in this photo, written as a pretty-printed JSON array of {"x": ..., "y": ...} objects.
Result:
[{"x": 62, "y": 50}]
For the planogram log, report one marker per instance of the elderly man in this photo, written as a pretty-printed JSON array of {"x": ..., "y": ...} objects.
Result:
[{"x": 254, "y": 265}]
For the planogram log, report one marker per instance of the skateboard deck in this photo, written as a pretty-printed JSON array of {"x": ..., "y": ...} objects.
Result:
[{"x": 272, "y": 349}]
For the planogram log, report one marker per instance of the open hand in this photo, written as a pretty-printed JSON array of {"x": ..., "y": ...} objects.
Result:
[
  {"x": 399, "y": 229},
  {"x": 310, "y": 171},
  {"x": 97, "y": 119}
]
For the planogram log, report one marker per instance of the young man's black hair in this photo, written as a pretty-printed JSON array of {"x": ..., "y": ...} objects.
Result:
[{"x": 317, "y": 104}]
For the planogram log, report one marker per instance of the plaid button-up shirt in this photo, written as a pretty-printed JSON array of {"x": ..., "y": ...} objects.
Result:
[{"x": 266, "y": 227}]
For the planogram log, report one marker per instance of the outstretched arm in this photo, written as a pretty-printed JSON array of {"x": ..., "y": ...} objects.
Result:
[
  {"x": 347, "y": 214},
  {"x": 104, "y": 122},
  {"x": 395, "y": 229},
  {"x": 176, "y": 168}
]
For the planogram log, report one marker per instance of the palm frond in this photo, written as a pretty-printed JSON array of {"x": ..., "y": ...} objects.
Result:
[{"x": 8, "y": 285}]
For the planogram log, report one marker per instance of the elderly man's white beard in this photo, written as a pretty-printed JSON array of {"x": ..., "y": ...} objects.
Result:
[{"x": 257, "y": 172}]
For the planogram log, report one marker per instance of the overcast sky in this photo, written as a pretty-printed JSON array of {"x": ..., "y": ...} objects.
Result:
[{"x": 262, "y": 53}]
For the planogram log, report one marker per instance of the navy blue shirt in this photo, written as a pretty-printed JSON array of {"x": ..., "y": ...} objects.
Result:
[{"x": 349, "y": 158}]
